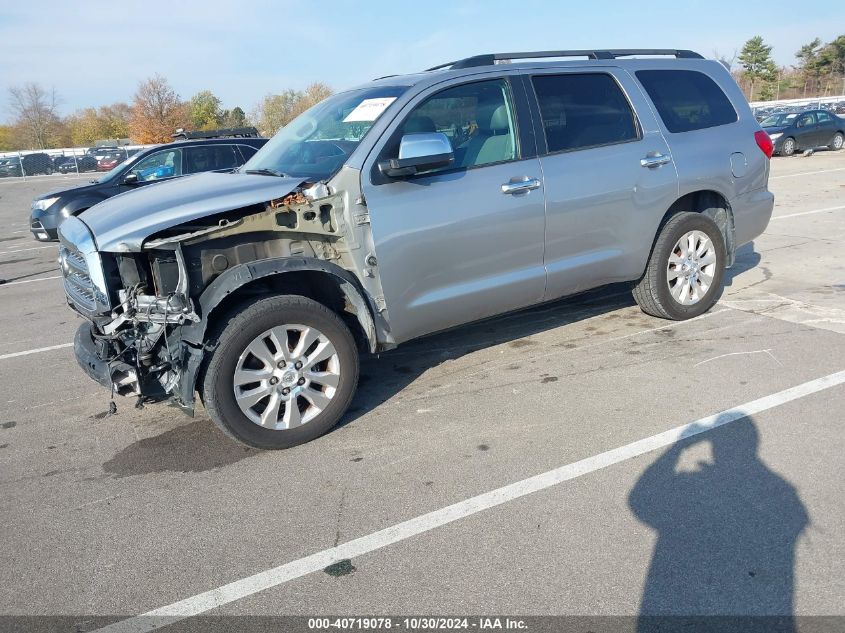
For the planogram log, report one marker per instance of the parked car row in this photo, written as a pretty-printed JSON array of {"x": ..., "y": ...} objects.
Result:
[
  {"x": 100, "y": 158},
  {"x": 762, "y": 112},
  {"x": 128, "y": 173}
]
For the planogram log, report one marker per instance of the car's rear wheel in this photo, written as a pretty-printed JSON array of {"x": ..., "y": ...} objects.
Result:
[
  {"x": 684, "y": 275},
  {"x": 788, "y": 147},
  {"x": 284, "y": 372},
  {"x": 837, "y": 142}
]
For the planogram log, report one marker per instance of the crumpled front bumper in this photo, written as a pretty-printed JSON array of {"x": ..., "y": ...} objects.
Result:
[{"x": 115, "y": 375}]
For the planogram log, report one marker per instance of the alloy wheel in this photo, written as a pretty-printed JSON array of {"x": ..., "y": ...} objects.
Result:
[
  {"x": 691, "y": 268},
  {"x": 286, "y": 376}
]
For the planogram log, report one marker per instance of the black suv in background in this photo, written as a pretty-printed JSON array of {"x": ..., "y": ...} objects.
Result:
[
  {"x": 26, "y": 165},
  {"x": 163, "y": 162}
]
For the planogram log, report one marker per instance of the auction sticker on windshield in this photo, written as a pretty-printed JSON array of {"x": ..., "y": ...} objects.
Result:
[{"x": 369, "y": 109}]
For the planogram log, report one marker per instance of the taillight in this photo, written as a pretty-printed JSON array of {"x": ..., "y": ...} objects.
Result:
[{"x": 764, "y": 142}]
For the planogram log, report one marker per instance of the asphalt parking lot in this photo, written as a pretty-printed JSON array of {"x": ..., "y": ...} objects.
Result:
[{"x": 527, "y": 465}]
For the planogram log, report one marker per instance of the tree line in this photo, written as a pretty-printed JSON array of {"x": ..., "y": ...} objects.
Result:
[
  {"x": 819, "y": 70},
  {"x": 155, "y": 112}
]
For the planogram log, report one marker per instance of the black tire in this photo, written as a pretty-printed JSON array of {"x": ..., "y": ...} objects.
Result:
[
  {"x": 237, "y": 331},
  {"x": 652, "y": 291},
  {"x": 836, "y": 141},
  {"x": 788, "y": 149}
]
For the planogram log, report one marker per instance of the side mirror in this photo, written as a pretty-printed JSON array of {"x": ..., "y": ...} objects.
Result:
[
  {"x": 419, "y": 152},
  {"x": 130, "y": 179}
]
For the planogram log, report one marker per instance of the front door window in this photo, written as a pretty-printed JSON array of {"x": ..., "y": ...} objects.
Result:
[{"x": 164, "y": 164}]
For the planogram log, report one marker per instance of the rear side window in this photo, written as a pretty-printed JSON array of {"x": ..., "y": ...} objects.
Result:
[
  {"x": 687, "y": 100},
  {"x": 581, "y": 111},
  {"x": 209, "y": 158}
]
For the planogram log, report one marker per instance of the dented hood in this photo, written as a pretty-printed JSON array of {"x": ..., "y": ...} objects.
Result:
[{"x": 122, "y": 223}]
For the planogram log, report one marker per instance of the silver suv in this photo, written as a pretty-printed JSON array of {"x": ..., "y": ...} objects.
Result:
[{"x": 410, "y": 205}]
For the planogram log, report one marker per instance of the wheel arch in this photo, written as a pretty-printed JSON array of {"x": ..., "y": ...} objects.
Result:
[
  {"x": 322, "y": 281},
  {"x": 327, "y": 283},
  {"x": 708, "y": 202},
  {"x": 78, "y": 205}
]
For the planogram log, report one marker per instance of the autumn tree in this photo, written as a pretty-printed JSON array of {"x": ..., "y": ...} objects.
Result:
[
  {"x": 157, "y": 112},
  {"x": 84, "y": 127},
  {"x": 8, "y": 138},
  {"x": 756, "y": 61},
  {"x": 277, "y": 110},
  {"x": 115, "y": 119},
  {"x": 89, "y": 125},
  {"x": 36, "y": 114},
  {"x": 205, "y": 111}
]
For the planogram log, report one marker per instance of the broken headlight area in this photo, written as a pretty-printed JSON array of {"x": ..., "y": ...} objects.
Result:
[{"x": 138, "y": 345}]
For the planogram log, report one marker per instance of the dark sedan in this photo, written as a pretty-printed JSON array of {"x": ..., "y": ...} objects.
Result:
[
  {"x": 148, "y": 166},
  {"x": 794, "y": 131}
]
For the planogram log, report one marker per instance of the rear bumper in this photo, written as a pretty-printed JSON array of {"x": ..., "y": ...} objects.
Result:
[{"x": 752, "y": 212}]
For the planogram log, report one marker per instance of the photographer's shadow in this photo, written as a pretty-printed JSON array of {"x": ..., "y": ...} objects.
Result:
[{"x": 726, "y": 537}]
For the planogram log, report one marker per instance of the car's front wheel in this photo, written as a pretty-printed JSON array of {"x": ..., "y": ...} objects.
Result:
[
  {"x": 684, "y": 275},
  {"x": 837, "y": 142},
  {"x": 284, "y": 372}
]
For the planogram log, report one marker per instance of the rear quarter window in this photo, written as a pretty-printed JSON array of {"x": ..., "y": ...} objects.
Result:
[{"x": 687, "y": 100}]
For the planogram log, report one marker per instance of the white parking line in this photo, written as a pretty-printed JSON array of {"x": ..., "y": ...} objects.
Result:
[
  {"x": 35, "y": 351},
  {"x": 807, "y": 173},
  {"x": 795, "y": 215},
  {"x": 34, "y": 248},
  {"x": 29, "y": 281},
  {"x": 261, "y": 581}
]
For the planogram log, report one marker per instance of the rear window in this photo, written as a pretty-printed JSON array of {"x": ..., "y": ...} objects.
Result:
[
  {"x": 581, "y": 111},
  {"x": 687, "y": 100}
]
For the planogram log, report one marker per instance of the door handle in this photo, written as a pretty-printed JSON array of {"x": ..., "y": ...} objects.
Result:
[
  {"x": 655, "y": 160},
  {"x": 518, "y": 186}
]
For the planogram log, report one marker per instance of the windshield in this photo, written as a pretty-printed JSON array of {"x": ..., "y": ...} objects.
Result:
[
  {"x": 778, "y": 120},
  {"x": 316, "y": 143}
]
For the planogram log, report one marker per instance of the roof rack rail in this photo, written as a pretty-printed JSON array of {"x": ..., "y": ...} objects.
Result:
[
  {"x": 229, "y": 132},
  {"x": 610, "y": 53}
]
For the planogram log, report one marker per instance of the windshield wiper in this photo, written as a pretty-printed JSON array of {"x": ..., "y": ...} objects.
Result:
[{"x": 265, "y": 172}]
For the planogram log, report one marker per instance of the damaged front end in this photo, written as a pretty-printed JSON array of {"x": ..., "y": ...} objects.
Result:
[
  {"x": 134, "y": 304},
  {"x": 148, "y": 302}
]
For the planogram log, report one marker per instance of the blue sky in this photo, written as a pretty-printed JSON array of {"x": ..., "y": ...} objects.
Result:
[{"x": 96, "y": 51}]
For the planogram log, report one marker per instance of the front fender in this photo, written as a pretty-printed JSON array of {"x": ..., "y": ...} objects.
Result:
[
  {"x": 242, "y": 274},
  {"x": 81, "y": 204},
  {"x": 193, "y": 334}
]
